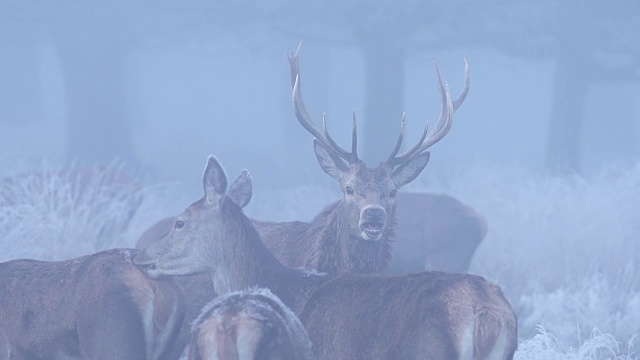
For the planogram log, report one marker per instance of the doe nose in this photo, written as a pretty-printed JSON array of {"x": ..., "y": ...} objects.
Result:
[{"x": 374, "y": 214}]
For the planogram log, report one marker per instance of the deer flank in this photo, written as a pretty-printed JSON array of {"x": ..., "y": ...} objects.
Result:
[{"x": 98, "y": 306}]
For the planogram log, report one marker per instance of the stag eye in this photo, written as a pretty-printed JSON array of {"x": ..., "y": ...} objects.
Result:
[
  {"x": 393, "y": 193},
  {"x": 179, "y": 224},
  {"x": 348, "y": 190}
]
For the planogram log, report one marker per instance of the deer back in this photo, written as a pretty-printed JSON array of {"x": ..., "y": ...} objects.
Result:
[
  {"x": 429, "y": 315},
  {"x": 249, "y": 325},
  {"x": 98, "y": 306},
  {"x": 435, "y": 232}
]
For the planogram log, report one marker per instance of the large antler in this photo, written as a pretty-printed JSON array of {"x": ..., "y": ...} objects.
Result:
[
  {"x": 307, "y": 122},
  {"x": 448, "y": 108}
]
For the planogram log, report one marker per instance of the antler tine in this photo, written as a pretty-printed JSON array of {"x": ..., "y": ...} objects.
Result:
[
  {"x": 303, "y": 116},
  {"x": 294, "y": 64},
  {"x": 442, "y": 122},
  {"x": 446, "y": 121},
  {"x": 399, "y": 142},
  {"x": 442, "y": 127},
  {"x": 467, "y": 82},
  {"x": 402, "y": 157},
  {"x": 350, "y": 157}
]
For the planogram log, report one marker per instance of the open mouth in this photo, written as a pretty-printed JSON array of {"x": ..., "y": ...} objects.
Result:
[{"x": 372, "y": 230}]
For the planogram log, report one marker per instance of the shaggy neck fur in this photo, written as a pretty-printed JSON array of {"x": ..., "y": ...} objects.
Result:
[{"x": 334, "y": 250}]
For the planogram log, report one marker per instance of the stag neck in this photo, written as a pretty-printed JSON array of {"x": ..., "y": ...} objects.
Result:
[{"x": 337, "y": 251}]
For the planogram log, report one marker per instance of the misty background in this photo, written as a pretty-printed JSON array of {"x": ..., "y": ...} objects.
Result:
[{"x": 546, "y": 145}]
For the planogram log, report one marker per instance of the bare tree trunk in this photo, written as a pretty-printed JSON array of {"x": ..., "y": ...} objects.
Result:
[
  {"x": 384, "y": 98},
  {"x": 93, "y": 61},
  {"x": 570, "y": 89}
]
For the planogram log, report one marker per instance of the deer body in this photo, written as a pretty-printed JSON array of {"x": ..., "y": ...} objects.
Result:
[
  {"x": 99, "y": 306},
  {"x": 248, "y": 325},
  {"x": 348, "y": 316},
  {"x": 435, "y": 232}
]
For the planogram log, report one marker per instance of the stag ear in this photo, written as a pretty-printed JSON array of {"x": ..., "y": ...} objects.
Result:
[
  {"x": 214, "y": 181},
  {"x": 240, "y": 190},
  {"x": 329, "y": 162},
  {"x": 408, "y": 171}
]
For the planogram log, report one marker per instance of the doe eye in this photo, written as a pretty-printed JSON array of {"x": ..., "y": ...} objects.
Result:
[
  {"x": 393, "y": 193},
  {"x": 179, "y": 224},
  {"x": 348, "y": 190}
]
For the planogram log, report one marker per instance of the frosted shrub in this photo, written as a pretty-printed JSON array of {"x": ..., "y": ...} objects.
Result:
[
  {"x": 545, "y": 346},
  {"x": 58, "y": 214}
]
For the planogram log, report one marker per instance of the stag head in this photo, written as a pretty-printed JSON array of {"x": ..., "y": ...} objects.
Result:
[{"x": 369, "y": 193}]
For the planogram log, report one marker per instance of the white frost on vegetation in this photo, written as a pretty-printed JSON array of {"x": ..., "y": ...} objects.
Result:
[
  {"x": 51, "y": 215},
  {"x": 599, "y": 346}
]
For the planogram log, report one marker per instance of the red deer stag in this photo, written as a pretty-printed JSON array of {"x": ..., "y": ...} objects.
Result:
[
  {"x": 429, "y": 315},
  {"x": 356, "y": 233},
  {"x": 98, "y": 306},
  {"x": 248, "y": 325}
]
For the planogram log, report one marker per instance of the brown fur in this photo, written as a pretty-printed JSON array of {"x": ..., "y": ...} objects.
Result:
[
  {"x": 435, "y": 232},
  {"x": 348, "y": 316},
  {"x": 93, "y": 307},
  {"x": 324, "y": 246}
]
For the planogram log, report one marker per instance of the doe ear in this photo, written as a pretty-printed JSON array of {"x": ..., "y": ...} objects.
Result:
[
  {"x": 214, "y": 181},
  {"x": 240, "y": 190},
  {"x": 329, "y": 162},
  {"x": 408, "y": 171}
]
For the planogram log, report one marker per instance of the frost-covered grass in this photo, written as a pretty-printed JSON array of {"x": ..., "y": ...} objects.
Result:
[
  {"x": 566, "y": 251},
  {"x": 53, "y": 214},
  {"x": 545, "y": 346}
]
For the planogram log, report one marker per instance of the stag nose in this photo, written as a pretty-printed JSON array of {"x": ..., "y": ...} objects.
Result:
[
  {"x": 374, "y": 214},
  {"x": 373, "y": 220}
]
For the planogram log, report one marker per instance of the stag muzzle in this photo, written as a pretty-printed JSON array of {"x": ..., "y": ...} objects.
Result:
[{"x": 373, "y": 220}]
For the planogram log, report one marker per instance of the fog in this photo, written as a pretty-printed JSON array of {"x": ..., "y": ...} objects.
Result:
[{"x": 546, "y": 145}]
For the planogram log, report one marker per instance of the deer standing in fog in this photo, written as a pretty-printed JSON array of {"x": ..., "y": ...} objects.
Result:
[
  {"x": 430, "y": 315},
  {"x": 98, "y": 306},
  {"x": 248, "y": 325},
  {"x": 356, "y": 234}
]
